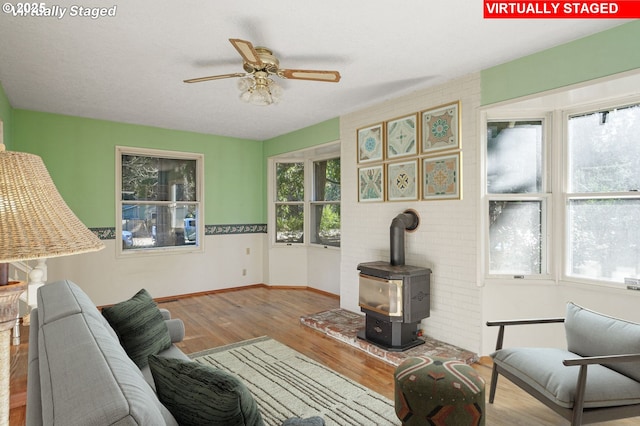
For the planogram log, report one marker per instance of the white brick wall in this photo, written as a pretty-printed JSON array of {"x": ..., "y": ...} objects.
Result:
[{"x": 446, "y": 240}]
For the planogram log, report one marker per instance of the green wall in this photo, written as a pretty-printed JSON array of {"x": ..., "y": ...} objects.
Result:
[
  {"x": 317, "y": 134},
  {"x": 5, "y": 116},
  {"x": 80, "y": 156},
  {"x": 609, "y": 52}
]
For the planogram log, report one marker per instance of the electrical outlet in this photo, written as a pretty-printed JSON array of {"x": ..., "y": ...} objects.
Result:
[
  {"x": 244, "y": 272},
  {"x": 248, "y": 250}
]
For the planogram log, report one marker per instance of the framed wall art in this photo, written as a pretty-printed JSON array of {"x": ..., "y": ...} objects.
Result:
[
  {"x": 371, "y": 184},
  {"x": 402, "y": 136},
  {"x": 402, "y": 180},
  {"x": 441, "y": 128},
  {"x": 370, "y": 143},
  {"x": 441, "y": 177}
]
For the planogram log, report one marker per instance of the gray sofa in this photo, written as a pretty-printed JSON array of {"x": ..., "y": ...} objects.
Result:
[{"x": 78, "y": 372}]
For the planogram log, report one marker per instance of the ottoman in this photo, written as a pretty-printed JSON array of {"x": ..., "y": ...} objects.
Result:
[{"x": 438, "y": 391}]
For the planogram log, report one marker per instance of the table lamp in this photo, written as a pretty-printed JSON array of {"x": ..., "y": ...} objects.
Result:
[{"x": 35, "y": 222}]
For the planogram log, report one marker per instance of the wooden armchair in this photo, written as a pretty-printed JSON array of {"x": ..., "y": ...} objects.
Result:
[{"x": 606, "y": 386}]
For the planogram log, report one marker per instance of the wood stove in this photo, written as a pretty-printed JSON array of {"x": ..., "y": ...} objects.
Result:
[{"x": 394, "y": 297}]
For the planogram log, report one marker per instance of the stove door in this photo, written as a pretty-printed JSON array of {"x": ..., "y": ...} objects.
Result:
[{"x": 380, "y": 295}]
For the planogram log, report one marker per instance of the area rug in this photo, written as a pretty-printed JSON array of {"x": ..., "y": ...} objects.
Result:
[{"x": 287, "y": 384}]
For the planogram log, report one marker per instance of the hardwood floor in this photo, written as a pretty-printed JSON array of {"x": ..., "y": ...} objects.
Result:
[{"x": 226, "y": 317}]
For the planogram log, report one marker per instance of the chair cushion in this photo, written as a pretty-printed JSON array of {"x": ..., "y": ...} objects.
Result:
[
  {"x": 593, "y": 334},
  {"x": 198, "y": 394},
  {"x": 542, "y": 369},
  {"x": 140, "y": 327}
]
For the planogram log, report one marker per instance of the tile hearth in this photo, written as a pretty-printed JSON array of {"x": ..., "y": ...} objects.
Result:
[{"x": 343, "y": 325}]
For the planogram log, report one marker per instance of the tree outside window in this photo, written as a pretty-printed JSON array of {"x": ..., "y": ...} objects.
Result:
[
  {"x": 289, "y": 202},
  {"x": 325, "y": 207},
  {"x": 316, "y": 214}
]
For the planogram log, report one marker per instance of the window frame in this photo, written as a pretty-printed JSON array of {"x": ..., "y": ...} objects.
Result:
[
  {"x": 604, "y": 94},
  {"x": 276, "y": 203},
  {"x": 307, "y": 156},
  {"x": 545, "y": 197},
  {"x": 314, "y": 202},
  {"x": 198, "y": 247},
  {"x": 567, "y": 196}
]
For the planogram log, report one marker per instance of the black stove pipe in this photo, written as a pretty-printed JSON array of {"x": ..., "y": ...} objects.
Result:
[{"x": 408, "y": 220}]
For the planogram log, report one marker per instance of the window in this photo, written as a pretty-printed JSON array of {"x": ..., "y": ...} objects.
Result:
[
  {"x": 159, "y": 197},
  {"x": 289, "y": 202},
  {"x": 592, "y": 177},
  {"x": 602, "y": 198},
  {"x": 325, "y": 207},
  {"x": 517, "y": 199},
  {"x": 306, "y": 197}
]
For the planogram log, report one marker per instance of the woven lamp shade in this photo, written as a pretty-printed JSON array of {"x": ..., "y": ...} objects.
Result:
[{"x": 35, "y": 222}]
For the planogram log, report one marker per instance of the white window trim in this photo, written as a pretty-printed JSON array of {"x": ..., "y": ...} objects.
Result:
[
  {"x": 548, "y": 265},
  {"x": 273, "y": 202},
  {"x": 607, "y": 92},
  {"x": 308, "y": 157},
  {"x": 312, "y": 202},
  {"x": 199, "y": 246},
  {"x": 565, "y": 196}
]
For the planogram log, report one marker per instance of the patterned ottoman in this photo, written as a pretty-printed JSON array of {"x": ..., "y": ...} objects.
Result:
[{"x": 438, "y": 391}]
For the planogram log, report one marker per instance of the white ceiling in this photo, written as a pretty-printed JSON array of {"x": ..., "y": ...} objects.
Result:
[{"x": 129, "y": 68}]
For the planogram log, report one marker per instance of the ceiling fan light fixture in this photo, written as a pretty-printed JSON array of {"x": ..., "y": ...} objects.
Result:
[
  {"x": 259, "y": 63},
  {"x": 259, "y": 90},
  {"x": 245, "y": 96},
  {"x": 245, "y": 84},
  {"x": 276, "y": 91},
  {"x": 260, "y": 96}
]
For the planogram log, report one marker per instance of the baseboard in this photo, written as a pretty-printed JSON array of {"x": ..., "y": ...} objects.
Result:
[
  {"x": 315, "y": 290},
  {"x": 230, "y": 289}
]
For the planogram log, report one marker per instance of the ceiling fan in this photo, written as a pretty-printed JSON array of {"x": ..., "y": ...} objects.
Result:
[{"x": 260, "y": 63}]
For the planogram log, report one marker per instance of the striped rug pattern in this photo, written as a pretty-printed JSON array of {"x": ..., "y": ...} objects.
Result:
[{"x": 287, "y": 384}]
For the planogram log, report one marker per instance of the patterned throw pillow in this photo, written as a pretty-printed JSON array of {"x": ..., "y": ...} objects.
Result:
[
  {"x": 139, "y": 326},
  {"x": 198, "y": 394}
]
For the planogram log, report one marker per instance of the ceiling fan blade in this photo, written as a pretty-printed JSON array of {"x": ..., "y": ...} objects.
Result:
[
  {"x": 247, "y": 51},
  {"x": 331, "y": 76},
  {"x": 215, "y": 77}
]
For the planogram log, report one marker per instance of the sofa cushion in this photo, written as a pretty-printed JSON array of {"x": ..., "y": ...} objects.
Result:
[
  {"x": 198, "y": 394},
  {"x": 593, "y": 334},
  {"x": 63, "y": 298},
  {"x": 542, "y": 369},
  {"x": 140, "y": 327},
  {"x": 87, "y": 378}
]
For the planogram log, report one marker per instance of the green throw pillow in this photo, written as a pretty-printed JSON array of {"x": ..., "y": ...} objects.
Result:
[
  {"x": 198, "y": 394},
  {"x": 140, "y": 327}
]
